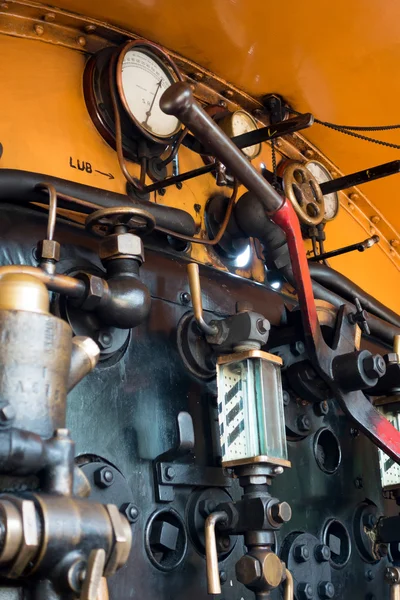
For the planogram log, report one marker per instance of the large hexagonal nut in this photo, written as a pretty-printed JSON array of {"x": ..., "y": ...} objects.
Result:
[
  {"x": 29, "y": 544},
  {"x": 48, "y": 250},
  {"x": 103, "y": 477},
  {"x": 96, "y": 289},
  {"x": 119, "y": 245},
  {"x": 248, "y": 570},
  {"x": 281, "y": 512}
]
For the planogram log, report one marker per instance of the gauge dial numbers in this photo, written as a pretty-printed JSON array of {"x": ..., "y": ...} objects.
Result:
[
  {"x": 321, "y": 174},
  {"x": 142, "y": 78},
  {"x": 240, "y": 122}
]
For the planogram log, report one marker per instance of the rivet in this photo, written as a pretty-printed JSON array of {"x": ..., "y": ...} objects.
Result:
[
  {"x": 192, "y": 86},
  {"x": 49, "y": 17},
  {"x": 4, "y": 5},
  {"x": 198, "y": 76},
  {"x": 90, "y": 28},
  {"x": 350, "y": 205},
  {"x": 228, "y": 93},
  {"x": 353, "y": 197},
  {"x": 278, "y": 143},
  {"x": 39, "y": 30},
  {"x": 334, "y": 174},
  {"x": 308, "y": 153},
  {"x": 394, "y": 243},
  {"x": 372, "y": 230},
  {"x": 81, "y": 40},
  {"x": 257, "y": 112},
  {"x": 222, "y": 103},
  {"x": 375, "y": 219}
]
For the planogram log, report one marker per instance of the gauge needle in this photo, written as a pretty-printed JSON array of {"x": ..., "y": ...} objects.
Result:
[{"x": 148, "y": 113}]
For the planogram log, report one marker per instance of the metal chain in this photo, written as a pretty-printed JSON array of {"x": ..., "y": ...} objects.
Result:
[
  {"x": 274, "y": 166},
  {"x": 350, "y": 130}
]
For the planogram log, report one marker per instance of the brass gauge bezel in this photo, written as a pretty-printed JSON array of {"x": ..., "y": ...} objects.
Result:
[
  {"x": 166, "y": 64},
  {"x": 226, "y": 125}
]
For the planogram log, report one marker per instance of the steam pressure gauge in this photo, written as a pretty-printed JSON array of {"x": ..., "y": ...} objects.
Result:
[
  {"x": 131, "y": 79},
  {"x": 237, "y": 123},
  {"x": 322, "y": 175}
]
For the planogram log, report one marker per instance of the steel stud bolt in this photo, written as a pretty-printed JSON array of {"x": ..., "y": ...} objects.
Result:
[
  {"x": 305, "y": 591},
  {"x": 301, "y": 553},
  {"x": 326, "y": 590},
  {"x": 322, "y": 553},
  {"x": 303, "y": 423},
  {"x": 103, "y": 477}
]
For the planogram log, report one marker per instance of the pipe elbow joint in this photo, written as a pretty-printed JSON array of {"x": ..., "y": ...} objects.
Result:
[{"x": 126, "y": 303}]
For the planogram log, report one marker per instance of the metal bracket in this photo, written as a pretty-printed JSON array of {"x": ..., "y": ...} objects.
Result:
[{"x": 168, "y": 473}]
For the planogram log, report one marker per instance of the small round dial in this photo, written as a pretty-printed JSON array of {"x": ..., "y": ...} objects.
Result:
[
  {"x": 322, "y": 175},
  {"x": 143, "y": 81},
  {"x": 238, "y": 123}
]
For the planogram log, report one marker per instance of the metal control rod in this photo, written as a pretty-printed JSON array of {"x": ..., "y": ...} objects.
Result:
[
  {"x": 347, "y": 181},
  {"x": 213, "y": 581},
  {"x": 178, "y": 100}
]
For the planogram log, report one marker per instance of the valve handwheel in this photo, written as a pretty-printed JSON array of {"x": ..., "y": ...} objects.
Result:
[
  {"x": 304, "y": 192},
  {"x": 108, "y": 220}
]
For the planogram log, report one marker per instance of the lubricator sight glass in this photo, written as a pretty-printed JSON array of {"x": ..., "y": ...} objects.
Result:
[{"x": 250, "y": 409}]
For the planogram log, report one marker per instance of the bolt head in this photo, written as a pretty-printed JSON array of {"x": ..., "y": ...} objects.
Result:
[
  {"x": 301, "y": 553},
  {"x": 223, "y": 577},
  {"x": 304, "y": 423},
  {"x": 374, "y": 366},
  {"x": 170, "y": 473},
  {"x": 263, "y": 326},
  {"x": 286, "y": 397},
  {"x": 297, "y": 348},
  {"x": 281, "y": 512},
  {"x": 321, "y": 408},
  {"x": 326, "y": 590},
  {"x": 130, "y": 511},
  {"x": 104, "y": 340},
  {"x": 185, "y": 298},
  {"x": 248, "y": 570},
  {"x": 305, "y": 591},
  {"x": 322, "y": 553},
  {"x": 104, "y": 477}
]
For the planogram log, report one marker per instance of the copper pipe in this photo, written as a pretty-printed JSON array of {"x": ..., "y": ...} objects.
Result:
[
  {"x": 174, "y": 152},
  {"x": 396, "y": 346},
  {"x": 51, "y": 223},
  {"x": 138, "y": 186},
  {"x": 221, "y": 231},
  {"x": 213, "y": 581},
  {"x": 288, "y": 593},
  {"x": 195, "y": 292},
  {"x": 62, "y": 284}
]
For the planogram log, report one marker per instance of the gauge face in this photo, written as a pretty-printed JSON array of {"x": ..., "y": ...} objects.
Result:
[
  {"x": 322, "y": 174},
  {"x": 144, "y": 80},
  {"x": 238, "y": 123}
]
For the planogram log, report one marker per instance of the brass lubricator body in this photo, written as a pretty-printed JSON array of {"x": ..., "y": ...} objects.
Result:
[
  {"x": 35, "y": 356},
  {"x": 66, "y": 542}
]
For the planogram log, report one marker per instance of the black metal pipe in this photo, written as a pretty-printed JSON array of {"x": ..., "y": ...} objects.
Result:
[
  {"x": 178, "y": 100},
  {"x": 19, "y": 186},
  {"x": 346, "y": 288},
  {"x": 252, "y": 220}
]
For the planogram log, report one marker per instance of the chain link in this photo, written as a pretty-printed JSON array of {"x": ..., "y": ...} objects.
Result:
[{"x": 351, "y": 130}]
